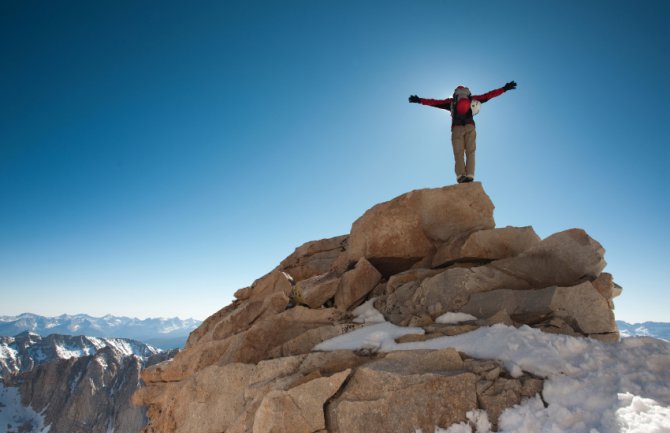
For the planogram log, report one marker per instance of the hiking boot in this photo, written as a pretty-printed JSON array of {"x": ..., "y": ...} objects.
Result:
[
  {"x": 468, "y": 179},
  {"x": 461, "y": 179}
]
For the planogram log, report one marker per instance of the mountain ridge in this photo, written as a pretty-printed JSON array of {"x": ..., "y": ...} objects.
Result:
[
  {"x": 659, "y": 330},
  {"x": 26, "y": 351},
  {"x": 165, "y": 333},
  {"x": 65, "y": 384}
]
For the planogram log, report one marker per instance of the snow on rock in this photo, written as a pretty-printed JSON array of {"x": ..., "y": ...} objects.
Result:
[
  {"x": 16, "y": 417},
  {"x": 590, "y": 387},
  {"x": 453, "y": 318},
  {"x": 477, "y": 419},
  {"x": 379, "y": 337},
  {"x": 366, "y": 313}
]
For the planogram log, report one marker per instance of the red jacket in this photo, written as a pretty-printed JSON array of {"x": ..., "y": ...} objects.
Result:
[{"x": 456, "y": 119}]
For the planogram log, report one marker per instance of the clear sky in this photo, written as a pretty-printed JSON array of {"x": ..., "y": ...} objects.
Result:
[{"x": 155, "y": 156}]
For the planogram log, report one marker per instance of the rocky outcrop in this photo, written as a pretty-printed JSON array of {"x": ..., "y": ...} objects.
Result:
[
  {"x": 251, "y": 367},
  {"x": 396, "y": 234}
]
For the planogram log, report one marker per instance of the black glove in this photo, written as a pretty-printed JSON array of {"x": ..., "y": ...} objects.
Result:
[
  {"x": 414, "y": 99},
  {"x": 510, "y": 86}
]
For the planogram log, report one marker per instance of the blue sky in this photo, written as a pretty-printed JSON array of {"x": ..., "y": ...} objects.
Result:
[{"x": 155, "y": 156}]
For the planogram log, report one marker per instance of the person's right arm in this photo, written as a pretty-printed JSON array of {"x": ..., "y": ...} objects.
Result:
[{"x": 444, "y": 104}]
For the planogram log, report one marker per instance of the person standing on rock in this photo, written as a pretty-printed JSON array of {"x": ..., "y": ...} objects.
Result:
[{"x": 463, "y": 106}]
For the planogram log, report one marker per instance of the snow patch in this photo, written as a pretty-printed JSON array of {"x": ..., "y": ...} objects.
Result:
[
  {"x": 453, "y": 318},
  {"x": 642, "y": 415},
  {"x": 367, "y": 313},
  {"x": 14, "y": 416},
  {"x": 379, "y": 337}
]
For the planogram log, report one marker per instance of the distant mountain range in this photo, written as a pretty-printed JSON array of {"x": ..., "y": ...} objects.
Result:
[
  {"x": 159, "y": 332},
  {"x": 646, "y": 329}
]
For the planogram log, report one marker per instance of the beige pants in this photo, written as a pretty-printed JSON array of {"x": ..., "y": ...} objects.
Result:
[{"x": 464, "y": 142}]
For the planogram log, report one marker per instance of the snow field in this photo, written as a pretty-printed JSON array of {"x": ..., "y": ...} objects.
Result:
[
  {"x": 590, "y": 387},
  {"x": 14, "y": 414}
]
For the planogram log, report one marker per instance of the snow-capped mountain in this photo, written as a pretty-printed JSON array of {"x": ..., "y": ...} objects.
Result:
[
  {"x": 159, "y": 332},
  {"x": 27, "y": 350},
  {"x": 61, "y": 382},
  {"x": 646, "y": 329}
]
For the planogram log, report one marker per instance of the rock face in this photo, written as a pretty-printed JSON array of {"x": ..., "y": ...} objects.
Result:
[
  {"x": 251, "y": 366},
  {"x": 396, "y": 234},
  {"x": 78, "y": 384}
]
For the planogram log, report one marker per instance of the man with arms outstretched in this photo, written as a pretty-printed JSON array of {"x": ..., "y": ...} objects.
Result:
[{"x": 463, "y": 106}]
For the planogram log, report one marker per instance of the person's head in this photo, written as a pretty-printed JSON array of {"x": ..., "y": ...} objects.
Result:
[{"x": 462, "y": 92}]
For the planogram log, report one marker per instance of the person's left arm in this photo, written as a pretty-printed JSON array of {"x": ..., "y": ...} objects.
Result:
[{"x": 493, "y": 93}]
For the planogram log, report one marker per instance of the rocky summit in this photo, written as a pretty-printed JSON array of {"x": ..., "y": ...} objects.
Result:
[{"x": 421, "y": 257}]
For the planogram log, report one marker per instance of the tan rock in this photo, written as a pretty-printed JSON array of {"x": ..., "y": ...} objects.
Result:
[
  {"x": 306, "y": 341},
  {"x": 315, "y": 291},
  {"x": 356, "y": 284},
  {"x": 531, "y": 386},
  {"x": 503, "y": 393},
  {"x": 267, "y": 296},
  {"x": 274, "y": 282},
  {"x": 413, "y": 338},
  {"x": 329, "y": 363},
  {"x": 243, "y": 294},
  {"x": 450, "y": 252},
  {"x": 606, "y": 286},
  {"x": 483, "y": 245},
  {"x": 564, "y": 259},
  {"x": 273, "y": 332},
  {"x": 207, "y": 402},
  {"x": 395, "y": 306},
  {"x": 378, "y": 401},
  {"x": 420, "y": 320},
  {"x": 581, "y": 306},
  {"x": 419, "y": 361},
  {"x": 451, "y": 330},
  {"x": 499, "y": 243},
  {"x": 584, "y": 306},
  {"x": 396, "y": 234},
  {"x": 610, "y": 337},
  {"x": 417, "y": 275},
  {"x": 313, "y": 258},
  {"x": 298, "y": 410},
  {"x": 240, "y": 319},
  {"x": 556, "y": 325},
  {"x": 502, "y": 317},
  {"x": 206, "y": 327},
  {"x": 252, "y": 345},
  {"x": 273, "y": 368}
]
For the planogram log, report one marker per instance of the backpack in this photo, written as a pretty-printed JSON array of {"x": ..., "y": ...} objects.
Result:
[{"x": 460, "y": 93}]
